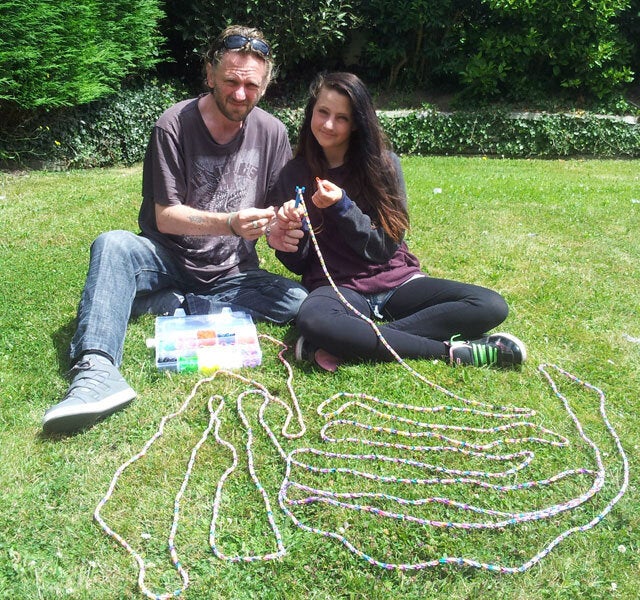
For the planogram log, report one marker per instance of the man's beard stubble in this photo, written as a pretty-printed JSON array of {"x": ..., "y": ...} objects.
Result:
[{"x": 232, "y": 116}]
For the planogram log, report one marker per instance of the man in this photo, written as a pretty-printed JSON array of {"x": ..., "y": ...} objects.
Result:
[{"x": 207, "y": 170}]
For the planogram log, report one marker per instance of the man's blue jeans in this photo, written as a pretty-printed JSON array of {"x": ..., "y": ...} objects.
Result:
[{"x": 124, "y": 265}]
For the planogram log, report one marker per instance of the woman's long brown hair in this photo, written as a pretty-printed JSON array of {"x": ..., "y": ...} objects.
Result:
[{"x": 367, "y": 156}]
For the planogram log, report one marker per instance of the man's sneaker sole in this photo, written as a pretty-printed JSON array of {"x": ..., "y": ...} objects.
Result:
[{"x": 69, "y": 419}]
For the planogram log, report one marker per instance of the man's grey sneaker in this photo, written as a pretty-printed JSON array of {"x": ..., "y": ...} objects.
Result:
[
  {"x": 97, "y": 390},
  {"x": 495, "y": 350},
  {"x": 163, "y": 302}
]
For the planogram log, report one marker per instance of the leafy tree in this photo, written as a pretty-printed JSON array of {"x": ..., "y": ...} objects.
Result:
[
  {"x": 542, "y": 46},
  {"x": 629, "y": 27},
  {"x": 487, "y": 48},
  {"x": 67, "y": 52},
  {"x": 417, "y": 41},
  {"x": 511, "y": 48},
  {"x": 307, "y": 32}
]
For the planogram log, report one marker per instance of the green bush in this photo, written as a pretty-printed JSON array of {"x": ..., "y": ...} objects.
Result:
[
  {"x": 541, "y": 46},
  {"x": 107, "y": 132},
  {"x": 292, "y": 119},
  {"x": 497, "y": 133},
  {"x": 116, "y": 131},
  {"x": 309, "y": 31},
  {"x": 487, "y": 49},
  {"x": 518, "y": 50},
  {"x": 57, "y": 53},
  {"x": 416, "y": 42}
]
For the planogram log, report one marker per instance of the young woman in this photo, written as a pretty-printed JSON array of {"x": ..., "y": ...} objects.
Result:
[{"x": 356, "y": 203}]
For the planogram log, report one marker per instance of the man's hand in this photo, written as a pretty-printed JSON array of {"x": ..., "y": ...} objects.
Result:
[{"x": 251, "y": 223}]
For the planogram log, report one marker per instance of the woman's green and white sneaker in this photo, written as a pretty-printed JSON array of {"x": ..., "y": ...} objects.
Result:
[
  {"x": 501, "y": 350},
  {"x": 97, "y": 390}
]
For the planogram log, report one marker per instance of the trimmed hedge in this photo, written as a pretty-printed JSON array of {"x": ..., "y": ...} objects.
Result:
[
  {"x": 513, "y": 135},
  {"x": 103, "y": 133},
  {"x": 501, "y": 133},
  {"x": 116, "y": 131}
]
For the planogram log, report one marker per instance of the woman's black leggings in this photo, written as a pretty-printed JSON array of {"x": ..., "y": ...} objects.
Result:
[{"x": 419, "y": 317}]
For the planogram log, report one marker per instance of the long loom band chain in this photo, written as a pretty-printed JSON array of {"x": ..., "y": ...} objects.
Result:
[
  {"x": 281, "y": 551},
  {"x": 510, "y": 520},
  {"x": 343, "y": 499},
  {"x": 214, "y": 422},
  {"x": 332, "y": 497},
  {"x": 302, "y": 428},
  {"x": 117, "y": 537},
  {"x": 433, "y": 427},
  {"x": 544, "y": 369},
  {"x": 523, "y": 412},
  {"x": 454, "y": 446},
  {"x": 461, "y": 476}
]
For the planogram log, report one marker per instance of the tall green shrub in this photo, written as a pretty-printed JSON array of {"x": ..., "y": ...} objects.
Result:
[
  {"x": 68, "y": 52},
  {"x": 628, "y": 23},
  {"x": 510, "y": 49},
  {"x": 416, "y": 41},
  {"x": 506, "y": 48},
  {"x": 304, "y": 32},
  {"x": 542, "y": 46}
]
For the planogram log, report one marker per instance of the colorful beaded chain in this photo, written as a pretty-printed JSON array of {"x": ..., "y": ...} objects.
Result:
[
  {"x": 214, "y": 423},
  {"x": 410, "y": 429}
]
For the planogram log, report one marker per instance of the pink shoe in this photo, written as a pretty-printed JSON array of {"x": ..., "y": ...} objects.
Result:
[{"x": 305, "y": 351}]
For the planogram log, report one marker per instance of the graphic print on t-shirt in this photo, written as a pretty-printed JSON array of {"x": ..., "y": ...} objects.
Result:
[
  {"x": 223, "y": 184},
  {"x": 207, "y": 173}
]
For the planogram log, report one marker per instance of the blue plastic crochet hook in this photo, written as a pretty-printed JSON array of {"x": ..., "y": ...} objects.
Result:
[
  {"x": 299, "y": 192},
  {"x": 299, "y": 199}
]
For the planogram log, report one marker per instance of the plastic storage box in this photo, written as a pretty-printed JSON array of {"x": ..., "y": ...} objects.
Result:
[{"x": 205, "y": 343}]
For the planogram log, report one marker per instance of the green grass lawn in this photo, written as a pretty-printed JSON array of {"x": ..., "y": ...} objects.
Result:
[{"x": 559, "y": 239}]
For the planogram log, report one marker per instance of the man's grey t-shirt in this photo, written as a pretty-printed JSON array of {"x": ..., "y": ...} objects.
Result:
[{"x": 185, "y": 165}]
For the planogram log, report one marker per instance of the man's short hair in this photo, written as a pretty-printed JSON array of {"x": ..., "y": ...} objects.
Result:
[{"x": 217, "y": 48}]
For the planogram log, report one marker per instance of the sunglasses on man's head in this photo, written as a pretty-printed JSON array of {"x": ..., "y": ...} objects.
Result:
[{"x": 233, "y": 42}]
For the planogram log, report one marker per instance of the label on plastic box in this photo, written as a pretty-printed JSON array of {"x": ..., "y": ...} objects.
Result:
[{"x": 205, "y": 343}]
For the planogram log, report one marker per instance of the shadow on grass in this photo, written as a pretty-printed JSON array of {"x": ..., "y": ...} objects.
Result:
[{"x": 61, "y": 340}]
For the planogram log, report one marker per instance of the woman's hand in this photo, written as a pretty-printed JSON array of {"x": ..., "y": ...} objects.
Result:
[
  {"x": 327, "y": 193},
  {"x": 290, "y": 216},
  {"x": 285, "y": 230}
]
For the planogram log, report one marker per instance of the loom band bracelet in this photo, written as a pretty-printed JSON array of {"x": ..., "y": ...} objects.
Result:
[{"x": 230, "y": 226}]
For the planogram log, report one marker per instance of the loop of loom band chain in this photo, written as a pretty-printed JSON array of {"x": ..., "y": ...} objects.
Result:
[{"x": 229, "y": 224}]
